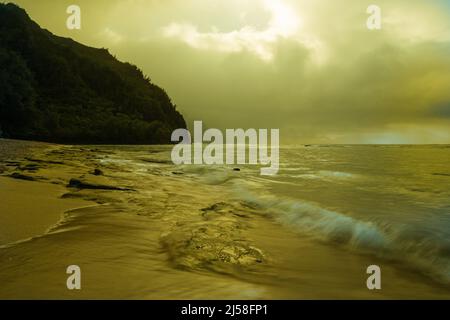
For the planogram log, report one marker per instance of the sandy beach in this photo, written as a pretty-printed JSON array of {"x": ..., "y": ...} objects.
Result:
[
  {"x": 140, "y": 227},
  {"x": 29, "y": 209}
]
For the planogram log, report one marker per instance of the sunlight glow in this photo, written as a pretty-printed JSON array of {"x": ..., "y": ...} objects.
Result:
[{"x": 284, "y": 23}]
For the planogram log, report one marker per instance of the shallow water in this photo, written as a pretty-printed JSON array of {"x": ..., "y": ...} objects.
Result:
[{"x": 211, "y": 232}]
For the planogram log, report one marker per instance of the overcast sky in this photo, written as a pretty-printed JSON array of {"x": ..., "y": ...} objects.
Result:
[{"x": 310, "y": 68}]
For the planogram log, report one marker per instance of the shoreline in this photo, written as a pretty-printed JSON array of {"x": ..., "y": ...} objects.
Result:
[
  {"x": 28, "y": 208},
  {"x": 173, "y": 233}
]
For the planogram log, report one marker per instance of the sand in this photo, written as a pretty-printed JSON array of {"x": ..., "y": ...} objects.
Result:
[{"x": 28, "y": 209}]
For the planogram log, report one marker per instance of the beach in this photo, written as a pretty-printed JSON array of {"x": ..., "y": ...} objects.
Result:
[{"x": 140, "y": 227}]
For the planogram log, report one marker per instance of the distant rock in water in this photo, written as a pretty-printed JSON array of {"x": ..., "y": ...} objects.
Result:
[
  {"x": 55, "y": 89},
  {"x": 97, "y": 172}
]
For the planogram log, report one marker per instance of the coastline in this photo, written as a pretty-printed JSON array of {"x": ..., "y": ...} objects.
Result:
[
  {"x": 153, "y": 230},
  {"x": 28, "y": 208}
]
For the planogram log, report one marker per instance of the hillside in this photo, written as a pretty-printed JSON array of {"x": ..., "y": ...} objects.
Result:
[{"x": 57, "y": 90}]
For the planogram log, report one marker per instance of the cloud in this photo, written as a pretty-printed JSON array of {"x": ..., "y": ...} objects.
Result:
[
  {"x": 110, "y": 35},
  {"x": 283, "y": 23}
]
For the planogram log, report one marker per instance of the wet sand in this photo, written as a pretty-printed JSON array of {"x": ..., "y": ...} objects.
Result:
[
  {"x": 29, "y": 209},
  {"x": 146, "y": 234}
]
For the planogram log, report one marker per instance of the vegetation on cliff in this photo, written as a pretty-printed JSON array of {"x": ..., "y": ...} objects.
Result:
[{"x": 55, "y": 89}]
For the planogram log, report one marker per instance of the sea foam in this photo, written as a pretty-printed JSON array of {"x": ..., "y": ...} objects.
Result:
[{"x": 388, "y": 241}]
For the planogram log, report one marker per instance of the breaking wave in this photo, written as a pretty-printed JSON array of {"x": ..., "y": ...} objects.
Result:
[{"x": 393, "y": 242}]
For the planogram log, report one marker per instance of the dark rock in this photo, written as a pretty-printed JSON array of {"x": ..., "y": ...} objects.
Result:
[
  {"x": 20, "y": 176},
  {"x": 441, "y": 174},
  {"x": 98, "y": 172},
  {"x": 236, "y": 169},
  {"x": 75, "y": 183},
  {"x": 29, "y": 167},
  {"x": 160, "y": 161},
  {"x": 43, "y": 161}
]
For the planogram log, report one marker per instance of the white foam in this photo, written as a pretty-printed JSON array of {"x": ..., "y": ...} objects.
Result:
[{"x": 367, "y": 236}]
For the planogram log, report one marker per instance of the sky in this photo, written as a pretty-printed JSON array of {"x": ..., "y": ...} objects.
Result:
[{"x": 309, "y": 68}]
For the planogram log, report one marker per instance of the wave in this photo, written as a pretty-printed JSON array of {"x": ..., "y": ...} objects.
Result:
[
  {"x": 325, "y": 175},
  {"x": 394, "y": 242},
  {"x": 211, "y": 174}
]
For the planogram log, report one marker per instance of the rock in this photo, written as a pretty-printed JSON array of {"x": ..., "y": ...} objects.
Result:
[
  {"x": 441, "y": 174},
  {"x": 159, "y": 161},
  {"x": 43, "y": 161},
  {"x": 29, "y": 167},
  {"x": 236, "y": 169},
  {"x": 20, "y": 176},
  {"x": 98, "y": 172},
  {"x": 75, "y": 183}
]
